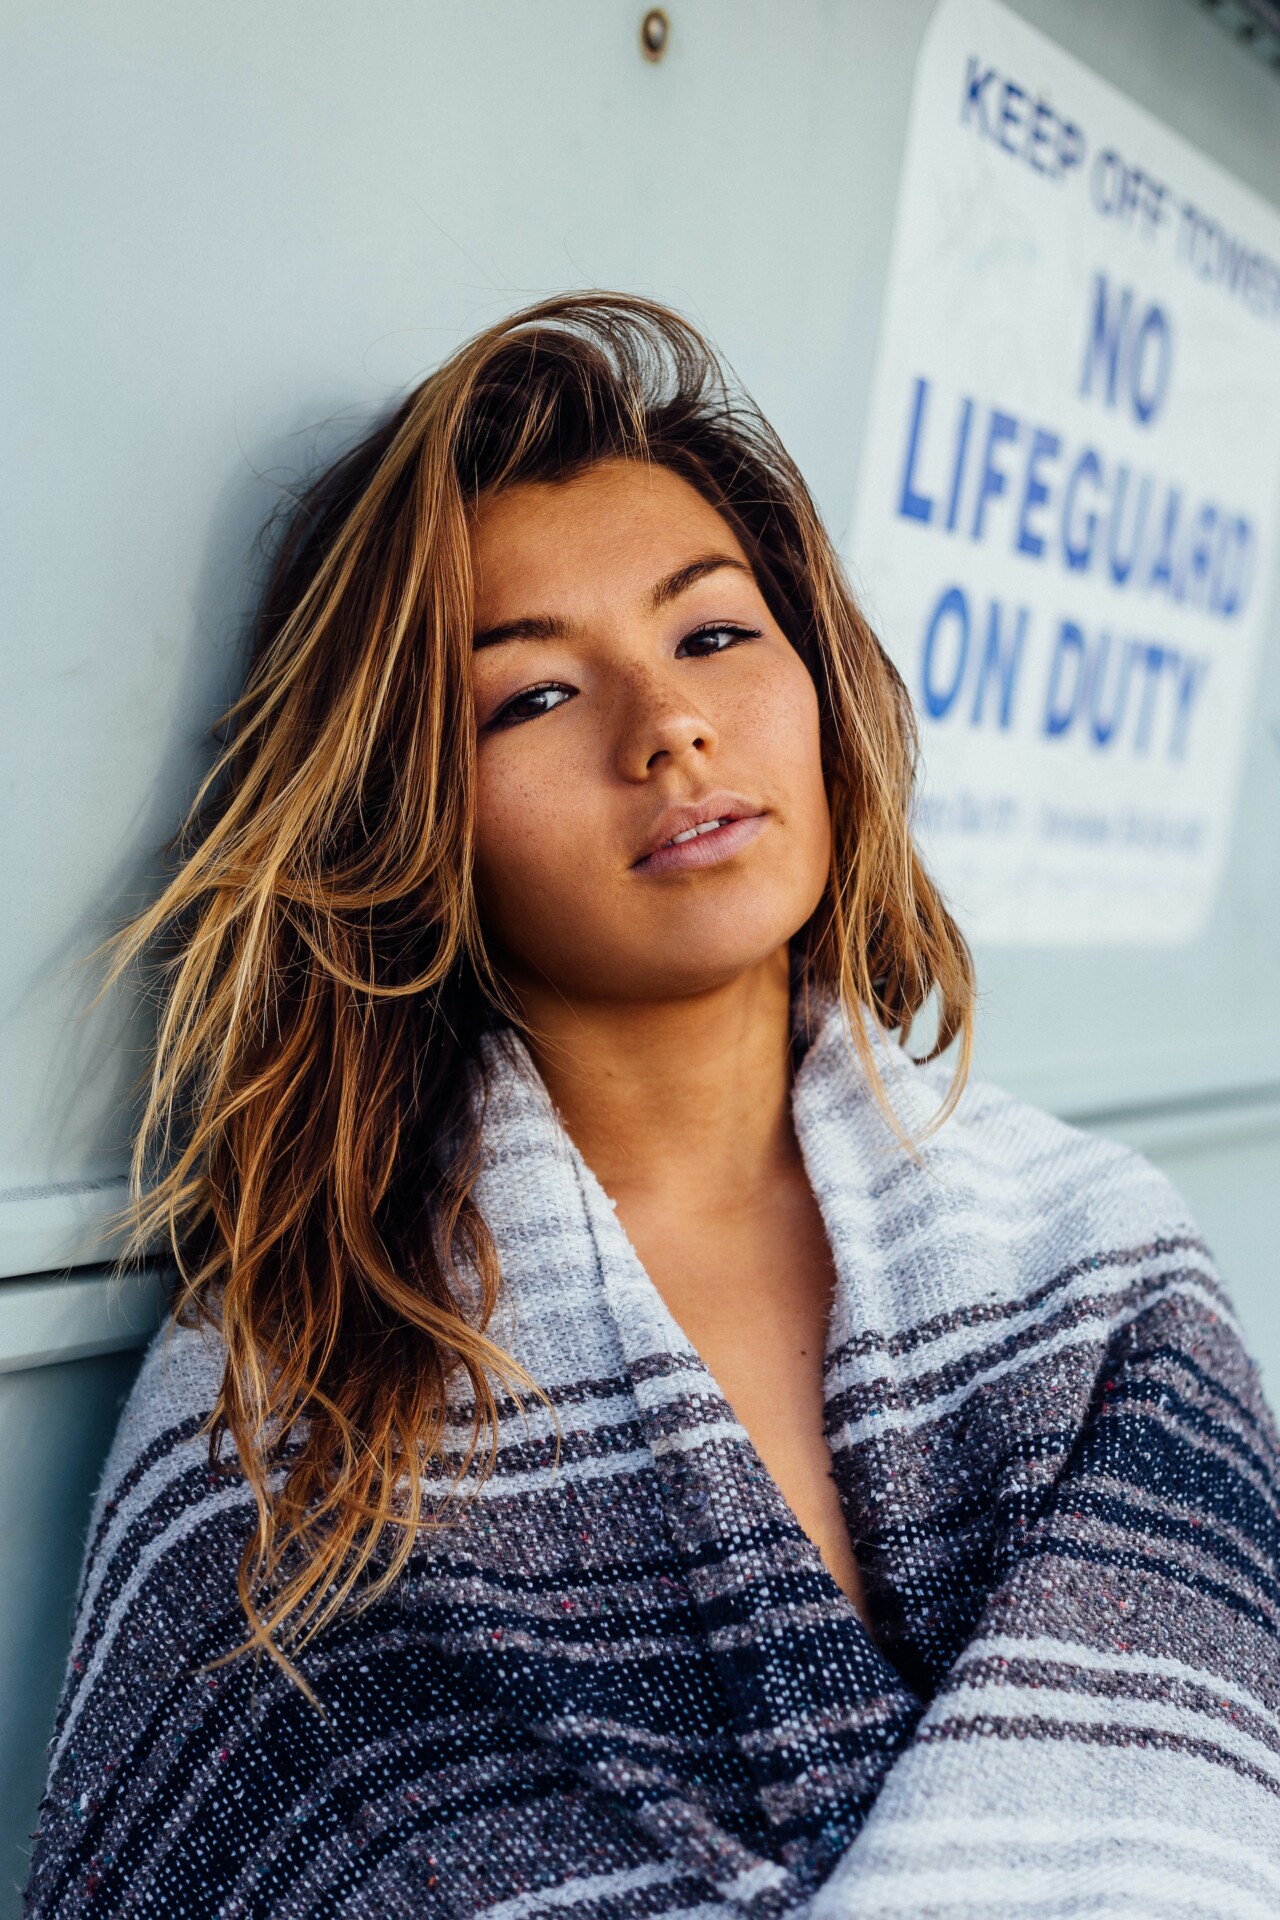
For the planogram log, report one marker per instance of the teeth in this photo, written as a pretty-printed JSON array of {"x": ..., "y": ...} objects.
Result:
[{"x": 708, "y": 826}]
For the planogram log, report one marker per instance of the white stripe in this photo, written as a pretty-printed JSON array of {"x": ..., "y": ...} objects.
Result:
[
  {"x": 1084, "y": 1333},
  {"x": 689, "y": 1439},
  {"x": 1073, "y": 1653},
  {"x": 990, "y": 1805},
  {"x": 617, "y": 1409},
  {"x": 572, "y": 1893},
  {"x": 154, "y": 1550},
  {"x": 969, "y": 1831},
  {"x": 957, "y": 1342},
  {"x": 537, "y": 1423},
  {"x": 968, "y": 1702},
  {"x": 753, "y": 1880},
  {"x": 170, "y": 1466},
  {"x": 542, "y": 1479},
  {"x": 1157, "y": 1890}
]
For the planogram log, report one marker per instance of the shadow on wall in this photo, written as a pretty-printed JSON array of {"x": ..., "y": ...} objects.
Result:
[
  {"x": 56, "y": 1424},
  {"x": 85, "y": 1109}
]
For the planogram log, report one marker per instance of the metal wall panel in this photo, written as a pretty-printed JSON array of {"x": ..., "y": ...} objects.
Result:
[{"x": 242, "y": 235}]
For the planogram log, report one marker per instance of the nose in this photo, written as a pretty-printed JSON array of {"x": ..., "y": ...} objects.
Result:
[{"x": 659, "y": 723}]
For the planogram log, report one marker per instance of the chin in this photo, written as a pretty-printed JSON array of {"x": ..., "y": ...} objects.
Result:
[{"x": 685, "y": 964}]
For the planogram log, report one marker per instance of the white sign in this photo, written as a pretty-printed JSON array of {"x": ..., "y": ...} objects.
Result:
[{"x": 1069, "y": 488}]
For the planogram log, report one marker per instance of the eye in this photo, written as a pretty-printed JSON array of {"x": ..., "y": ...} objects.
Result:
[
  {"x": 716, "y": 637},
  {"x": 529, "y": 704}
]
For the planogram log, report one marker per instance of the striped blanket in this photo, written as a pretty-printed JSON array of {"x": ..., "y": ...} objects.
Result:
[{"x": 626, "y": 1685}]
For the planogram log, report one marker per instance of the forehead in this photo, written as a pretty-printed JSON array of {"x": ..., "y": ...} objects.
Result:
[{"x": 610, "y": 531}]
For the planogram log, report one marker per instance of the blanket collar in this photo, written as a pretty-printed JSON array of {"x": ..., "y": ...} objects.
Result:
[
  {"x": 545, "y": 1204},
  {"x": 580, "y": 1311}
]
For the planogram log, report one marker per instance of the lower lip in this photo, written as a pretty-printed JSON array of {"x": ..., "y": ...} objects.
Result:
[{"x": 705, "y": 849}]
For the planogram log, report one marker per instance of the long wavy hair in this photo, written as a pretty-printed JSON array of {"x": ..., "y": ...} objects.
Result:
[{"x": 310, "y": 1134}]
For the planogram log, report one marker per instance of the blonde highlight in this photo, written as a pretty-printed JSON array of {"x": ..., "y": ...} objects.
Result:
[{"x": 310, "y": 1135}]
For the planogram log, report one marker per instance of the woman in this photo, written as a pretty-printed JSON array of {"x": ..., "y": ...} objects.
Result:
[{"x": 634, "y": 1441}]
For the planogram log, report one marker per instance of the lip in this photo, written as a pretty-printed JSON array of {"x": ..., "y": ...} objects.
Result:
[{"x": 742, "y": 822}]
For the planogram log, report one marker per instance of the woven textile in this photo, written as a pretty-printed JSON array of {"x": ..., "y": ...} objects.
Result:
[{"x": 628, "y": 1686}]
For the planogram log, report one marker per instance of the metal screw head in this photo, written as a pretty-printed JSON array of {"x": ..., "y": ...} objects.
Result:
[{"x": 655, "y": 32}]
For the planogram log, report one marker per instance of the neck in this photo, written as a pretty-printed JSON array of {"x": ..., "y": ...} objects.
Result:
[{"x": 675, "y": 1097}]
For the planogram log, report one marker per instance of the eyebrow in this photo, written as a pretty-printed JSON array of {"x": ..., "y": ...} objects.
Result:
[
  {"x": 552, "y": 626},
  {"x": 685, "y": 577}
]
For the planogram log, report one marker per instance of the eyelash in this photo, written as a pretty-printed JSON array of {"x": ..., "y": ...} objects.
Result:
[{"x": 506, "y": 716}]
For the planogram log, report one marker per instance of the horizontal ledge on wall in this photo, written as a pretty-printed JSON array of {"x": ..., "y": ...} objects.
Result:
[
  {"x": 76, "y": 1315},
  {"x": 47, "y": 1229},
  {"x": 1208, "y": 1120}
]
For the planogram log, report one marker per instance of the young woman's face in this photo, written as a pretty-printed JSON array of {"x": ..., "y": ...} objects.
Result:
[{"x": 631, "y": 685}]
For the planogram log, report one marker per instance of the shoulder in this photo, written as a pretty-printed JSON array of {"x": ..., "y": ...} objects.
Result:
[
  {"x": 147, "y": 1551},
  {"x": 1000, "y": 1206},
  {"x": 1010, "y": 1152},
  {"x": 156, "y": 1494},
  {"x": 165, "y": 1417},
  {"x": 1023, "y": 1153},
  {"x": 1067, "y": 1213}
]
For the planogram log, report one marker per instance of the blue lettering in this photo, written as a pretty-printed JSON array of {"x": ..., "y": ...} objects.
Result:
[
  {"x": 1121, "y": 565},
  {"x": 1044, "y": 446},
  {"x": 975, "y": 94},
  {"x": 1000, "y": 664},
  {"x": 1117, "y": 356},
  {"x": 1161, "y": 574},
  {"x": 1231, "y": 584},
  {"x": 1000, "y": 427},
  {"x": 1153, "y": 663},
  {"x": 1105, "y": 724},
  {"x": 1127, "y": 193},
  {"x": 1079, "y": 554},
  {"x": 940, "y": 694},
  {"x": 1112, "y": 690},
  {"x": 1070, "y": 146},
  {"x": 957, "y": 472},
  {"x": 1110, "y": 326},
  {"x": 913, "y": 505},
  {"x": 1068, "y": 649},
  {"x": 1010, "y": 93},
  {"x": 1037, "y": 136},
  {"x": 1023, "y": 130},
  {"x": 1155, "y": 326},
  {"x": 1199, "y": 555}
]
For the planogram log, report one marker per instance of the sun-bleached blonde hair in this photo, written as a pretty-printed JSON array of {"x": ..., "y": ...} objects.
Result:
[{"x": 308, "y": 1145}]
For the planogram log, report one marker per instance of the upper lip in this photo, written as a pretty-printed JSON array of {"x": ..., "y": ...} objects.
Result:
[{"x": 697, "y": 813}]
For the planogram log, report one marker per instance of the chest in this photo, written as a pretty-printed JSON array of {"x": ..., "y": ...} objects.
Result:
[{"x": 752, "y": 1291}]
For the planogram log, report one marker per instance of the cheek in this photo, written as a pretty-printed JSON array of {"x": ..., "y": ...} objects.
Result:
[
  {"x": 530, "y": 833},
  {"x": 794, "y": 749},
  {"x": 783, "y": 735}
]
